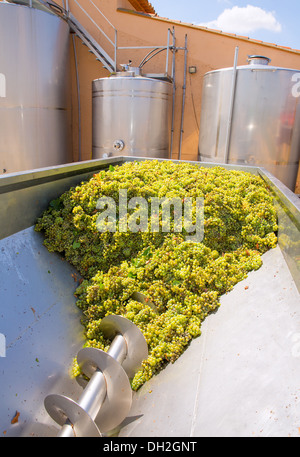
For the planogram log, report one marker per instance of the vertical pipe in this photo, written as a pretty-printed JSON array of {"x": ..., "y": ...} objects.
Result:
[
  {"x": 78, "y": 97},
  {"x": 183, "y": 96},
  {"x": 232, "y": 97},
  {"x": 168, "y": 49},
  {"x": 174, "y": 90},
  {"x": 116, "y": 47}
]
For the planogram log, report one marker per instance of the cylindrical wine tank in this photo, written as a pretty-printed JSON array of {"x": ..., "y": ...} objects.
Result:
[
  {"x": 263, "y": 126},
  {"x": 131, "y": 116},
  {"x": 34, "y": 88}
]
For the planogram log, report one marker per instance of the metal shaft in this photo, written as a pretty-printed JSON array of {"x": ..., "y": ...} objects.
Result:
[{"x": 94, "y": 393}]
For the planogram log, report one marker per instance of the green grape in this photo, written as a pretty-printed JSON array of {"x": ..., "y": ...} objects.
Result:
[{"x": 183, "y": 279}]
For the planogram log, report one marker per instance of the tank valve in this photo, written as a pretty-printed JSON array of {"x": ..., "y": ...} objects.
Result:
[
  {"x": 119, "y": 145},
  {"x": 106, "y": 400}
]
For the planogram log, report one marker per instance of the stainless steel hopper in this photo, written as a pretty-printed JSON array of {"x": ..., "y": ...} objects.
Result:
[{"x": 239, "y": 378}]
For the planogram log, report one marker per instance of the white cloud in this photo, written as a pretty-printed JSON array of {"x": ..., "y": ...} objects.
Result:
[{"x": 243, "y": 20}]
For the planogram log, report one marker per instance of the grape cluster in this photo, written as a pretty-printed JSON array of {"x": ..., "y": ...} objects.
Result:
[{"x": 183, "y": 279}]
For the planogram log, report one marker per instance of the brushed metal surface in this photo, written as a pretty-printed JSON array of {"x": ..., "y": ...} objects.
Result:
[
  {"x": 240, "y": 378},
  {"x": 34, "y": 111},
  {"x": 42, "y": 329},
  {"x": 131, "y": 113},
  {"x": 265, "y": 121}
]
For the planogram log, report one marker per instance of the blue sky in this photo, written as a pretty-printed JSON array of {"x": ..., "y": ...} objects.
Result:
[{"x": 274, "y": 21}]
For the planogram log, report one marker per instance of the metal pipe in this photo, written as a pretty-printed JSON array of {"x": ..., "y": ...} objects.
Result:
[
  {"x": 118, "y": 348},
  {"x": 174, "y": 91},
  {"x": 141, "y": 47},
  {"x": 115, "y": 49},
  {"x": 168, "y": 50},
  {"x": 183, "y": 96},
  {"x": 144, "y": 59},
  {"x": 66, "y": 431},
  {"x": 232, "y": 97},
  {"x": 95, "y": 23},
  {"x": 94, "y": 393},
  {"x": 90, "y": 400},
  {"x": 78, "y": 97},
  {"x": 150, "y": 57}
]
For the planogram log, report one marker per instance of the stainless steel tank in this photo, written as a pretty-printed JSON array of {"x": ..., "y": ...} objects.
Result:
[
  {"x": 34, "y": 106},
  {"x": 251, "y": 115},
  {"x": 131, "y": 116}
]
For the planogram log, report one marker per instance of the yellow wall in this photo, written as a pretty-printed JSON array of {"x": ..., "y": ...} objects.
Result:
[
  {"x": 207, "y": 50},
  {"x": 85, "y": 68}
]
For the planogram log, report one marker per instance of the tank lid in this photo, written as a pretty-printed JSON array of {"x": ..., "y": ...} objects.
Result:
[
  {"x": 258, "y": 60},
  {"x": 123, "y": 74},
  {"x": 128, "y": 70}
]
